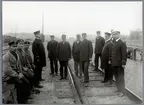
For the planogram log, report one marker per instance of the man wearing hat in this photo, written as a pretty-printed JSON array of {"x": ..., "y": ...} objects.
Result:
[
  {"x": 52, "y": 48},
  {"x": 11, "y": 75},
  {"x": 106, "y": 52},
  {"x": 98, "y": 48},
  {"x": 86, "y": 51},
  {"x": 25, "y": 70},
  {"x": 76, "y": 55},
  {"x": 63, "y": 54},
  {"x": 118, "y": 61},
  {"x": 29, "y": 63},
  {"x": 38, "y": 51}
]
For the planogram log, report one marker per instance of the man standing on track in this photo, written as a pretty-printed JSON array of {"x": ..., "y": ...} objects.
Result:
[
  {"x": 63, "y": 55},
  {"x": 52, "y": 47},
  {"x": 105, "y": 59},
  {"x": 38, "y": 51},
  {"x": 86, "y": 51},
  {"x": 98, "y": 49},
  {"x": 76, "y": 55},
  {"x": 118, "y": 61}
]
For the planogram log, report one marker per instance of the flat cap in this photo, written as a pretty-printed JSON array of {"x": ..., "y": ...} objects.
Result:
[
  {"x": 107, "y": 33},
  {"x": 20, "y": 41},
  {"x": 12, "y": 43},
  {"x": 26, "y": 42},
  {"x": 116, "y": 32},
  {"x": 63, "y": 35},
  {"x": 84, "y": 34},
  {"x": 51, "y": 35},
  {"x": 36, "y": 32},
  {"x": 98, "y": 32}
]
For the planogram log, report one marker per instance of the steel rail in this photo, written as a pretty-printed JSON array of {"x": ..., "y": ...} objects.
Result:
[{"x": 130, "y": 93}]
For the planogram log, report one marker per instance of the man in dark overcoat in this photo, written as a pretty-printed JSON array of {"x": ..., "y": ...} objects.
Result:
[
  {"x": 86, "y": 51},
  {"x": 52, "y": 48},
  {"x": 98, "y": 48},
  {"x": 76, "y": 55},
  {"x": 38, "y": 51},
  {"x": 118, "y": 61},
  {"x": 106, "y": 52},
  {"x": 63, "y": 54}
]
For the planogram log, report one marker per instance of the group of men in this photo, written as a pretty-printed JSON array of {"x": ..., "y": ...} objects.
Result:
[
  {"x": 112, "y": 51},
  {"x": 21, "y": 74}
]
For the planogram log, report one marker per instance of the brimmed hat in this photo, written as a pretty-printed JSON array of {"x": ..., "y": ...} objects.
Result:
[
  {"x": 107, "y": 33},
  {"x": 36, "y": 32}
]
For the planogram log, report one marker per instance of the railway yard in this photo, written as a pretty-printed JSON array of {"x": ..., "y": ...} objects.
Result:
[{"x": 74, "y": 91}]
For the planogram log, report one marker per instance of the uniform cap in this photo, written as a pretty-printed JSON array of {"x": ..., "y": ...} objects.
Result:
[{"x": 37, "y": 32}]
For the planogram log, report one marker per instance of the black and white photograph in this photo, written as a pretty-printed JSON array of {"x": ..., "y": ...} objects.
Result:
[{"x": 72, "y": 52}]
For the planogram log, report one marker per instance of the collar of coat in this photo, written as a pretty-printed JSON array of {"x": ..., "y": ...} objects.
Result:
[
  {"x": 117, "y": 39},
  {"x": 108, "y": 39}
]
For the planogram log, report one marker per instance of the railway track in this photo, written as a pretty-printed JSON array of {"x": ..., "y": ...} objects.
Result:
[{"x": 96, "y": 92}]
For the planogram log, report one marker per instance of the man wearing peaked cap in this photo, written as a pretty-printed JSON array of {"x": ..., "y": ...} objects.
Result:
[
  {"x": 99, "y": 43},
  {"x": 86, "y": 51},
  {"x": 11, "y": 75},
  {"x": 118, "y": 61},
  {"x": 38, "y": 51},
  {"x": 36, "y": 32},
  {"x": 106, "y": 51},
  {"x": 52, "y": 55}
]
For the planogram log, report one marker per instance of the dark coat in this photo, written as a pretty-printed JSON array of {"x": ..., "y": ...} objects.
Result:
[
  {"x": 99, "y": 45},
  {"x": 39, "y": 52},
  {"x": 76, "y": 51},
  {"x": 106, "y": 53},
  {"x": 52, "y": 47},
  {"x": 119, "y": 52},
  {"x": 86, "y": 50},
  {"x": 63, "y": 51}
]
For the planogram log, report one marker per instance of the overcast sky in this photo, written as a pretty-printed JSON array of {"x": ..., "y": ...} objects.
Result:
[{"x": 71, "y": 17}]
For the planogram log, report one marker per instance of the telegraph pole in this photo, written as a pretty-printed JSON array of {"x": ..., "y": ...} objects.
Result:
[{"x": 42, "y": 36}]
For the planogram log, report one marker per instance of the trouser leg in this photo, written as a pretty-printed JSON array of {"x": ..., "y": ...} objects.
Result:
[
  {"x": 51, "y": 66},
  {"x": 82, "y": 67},
  {"x": 76, "y": 67},
  {"x": 56, "y": 66},
  {"x": 80, "y": 70},
  {"x": 110, "y": 73},
  {"x": 65, "y": 68},
  {"x": 115, "y": 72},
  {"x": 86, "y": 74},
  {"x": 61, "y": 69},
  {"x": 121, "y": 81},
  {"x": 96, "y": 61},
  {"x": 106, "y": 73}
]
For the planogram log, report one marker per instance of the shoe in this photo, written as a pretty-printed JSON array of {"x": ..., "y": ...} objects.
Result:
[
  {"x": 86, "y": 81},
  {"x": 104, "y": 81},
  {"x": 39, "y": 86},
  {"x": 120, "y": 94},
  {"x": 42, "y": 79},
  {"x": 61, "y": 78},
  {"x": 56, "y": 74},
  {"x": 65, "y": 77},
  {"x": 51, "y": 73}
]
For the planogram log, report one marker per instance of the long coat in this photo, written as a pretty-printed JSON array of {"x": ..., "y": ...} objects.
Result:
[
  {"x": 119, "y": 52},
  {"x": 39, "y": 52},
  {"x": 10, "y": 66},
  {"x": 52, "y": 48},
  {"x": 63, "y": 51},
  {"x": 86, "y": 50},
  {"x": 106, "y": 53},
  {"x": 76, "y": 51},
  {"x": 99, "y": 45},
  {"x": 9, "y": 71}
]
